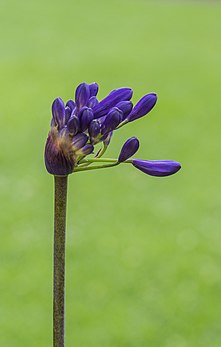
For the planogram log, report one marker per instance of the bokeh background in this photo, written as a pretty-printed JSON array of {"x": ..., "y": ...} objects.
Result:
[{"x": 143, "y": 253}]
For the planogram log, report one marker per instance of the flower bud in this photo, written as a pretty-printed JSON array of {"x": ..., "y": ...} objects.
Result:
[
  {"x": 92, "y": 102},
  {"x": 94, "y": 130},
  {"x": 125, "y": 107},
  {"x": 82, "y": 95},
  {"x": 79, "y": 141},
  {"x": 73, "y": 125},
  {"x": 71, "y": 104},
  {"x": 67, "y": 114},
  {"x": 58, "y": 113},
  {"x": 93, "y": 87},
  {"x": 111, "y": 121},
  {"x": 158, "y": 168},
  {"x": 111, "y": 100},
  {"x": 143, "y": 107},
  {"x": 87, "y": 149},
  {"x": 129, "y": 148},
  {"x": 85, "y": 117}
]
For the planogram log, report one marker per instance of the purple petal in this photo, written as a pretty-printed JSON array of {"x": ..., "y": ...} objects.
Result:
[
  {"x": 125, "y": 107},
  {"x": 157, "y": 167},
  {"x": 143, "y": 107},
  {"x": 73, "y": 125},
  {"x": 117, "y": 95},
  {"x": 129, "y": 148},
  {"x": 58, "y": 112},
  {"x": 85, "y": 117},
  {"x": 79, "y": 141},
  {"x": 93, "y": 89},
  {"x": 82, "y": 95},
  {"x": 111, "y": 121}
]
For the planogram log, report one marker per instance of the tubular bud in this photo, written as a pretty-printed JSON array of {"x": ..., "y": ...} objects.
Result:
[
  {"x": 158, "y": 168},
  {"x": 129, "y": 148},
  {"x": 143, "y": 107}
]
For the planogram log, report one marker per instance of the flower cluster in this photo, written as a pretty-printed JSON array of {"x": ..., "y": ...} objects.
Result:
[{"x": 78, "y": 126}]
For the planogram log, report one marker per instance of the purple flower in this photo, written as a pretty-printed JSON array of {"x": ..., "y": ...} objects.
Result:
[
  {"x": 82, "y": 95},
  {"x": 158, "y": 168},
  {"x": 71, "y": 104},
  {"x": 58, "y": 113},
  {"x": 143, "y": 107},
  {"x": 125, "y": 107},
  {"x": 73, "y": 125},
  {"x": 92, "y": 102},
  {"x": 94, "y": 131},
  {"x": 129, "y": 148},
  {"x": 117, "y": 95},
  {"x": 85, "y": 122},
  {"x": 79, "y": 141},
  {"x": 93, "y": 87},
  {"x": 111, "y": 121},
  {"x": 85, "y": 117}
]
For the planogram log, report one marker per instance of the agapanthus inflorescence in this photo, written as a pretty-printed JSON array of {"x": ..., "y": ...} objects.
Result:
[{"x": 81, "y": 124}]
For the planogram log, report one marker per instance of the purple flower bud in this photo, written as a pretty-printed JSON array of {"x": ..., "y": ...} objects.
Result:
[
  {"x": 57, "y": 161},
  {"x": 73, "y": 125},
  {"x": 93, "y": 89},
  {"x": 94, "y": 130},
  {"x": 71, "y": 104},
  {"x": 92, "y": 102},
  {"x": 125, "y": 107},
  {"x": 67, "y": 114},
  {"x": 129, "y": 148},
  {"x": 111, "y": 121},
  {"x": 82, "y": 95},
  {"x": 157, "y": 167},
  {"x": 85, "y": 117},
  {"x": 111, "y": 100},
  {"x": 58, "y": 113},
  {"x": 143, "y": 107},
  {"x": 79, "y": 141},
  {"x": 87, "y": 149}
]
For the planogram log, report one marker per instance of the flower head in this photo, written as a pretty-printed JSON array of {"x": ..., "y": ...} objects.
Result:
[{"x": 80, "y": 124}]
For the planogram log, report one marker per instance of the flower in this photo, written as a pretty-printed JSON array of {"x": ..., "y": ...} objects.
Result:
[
  {"x": 158, "y": 168},
  {"x": 80, "y": 124},
  {"x": 144, "y": 106},
  {"x": 129, "y": 148}
]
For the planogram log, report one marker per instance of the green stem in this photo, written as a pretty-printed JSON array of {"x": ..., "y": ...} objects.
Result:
[
  {"x": 95, "y": 167},
  {"x": 60, "y": 204},
  {"x": 103, "y": 160}
]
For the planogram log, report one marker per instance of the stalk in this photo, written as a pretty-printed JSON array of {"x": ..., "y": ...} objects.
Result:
[{"x": 60, "y": 184}]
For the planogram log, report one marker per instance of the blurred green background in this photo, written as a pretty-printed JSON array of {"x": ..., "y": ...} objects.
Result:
[{"x": 143, "y": 253}]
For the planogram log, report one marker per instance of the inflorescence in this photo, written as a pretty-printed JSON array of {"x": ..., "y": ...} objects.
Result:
[{"x": 78, "y": 126}]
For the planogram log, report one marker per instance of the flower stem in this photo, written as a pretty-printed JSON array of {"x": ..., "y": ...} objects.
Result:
[
  {"x": 102, "y": 160},
  {"x": 95, "y": 167},
  {"x": 60, "y": 183}
]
